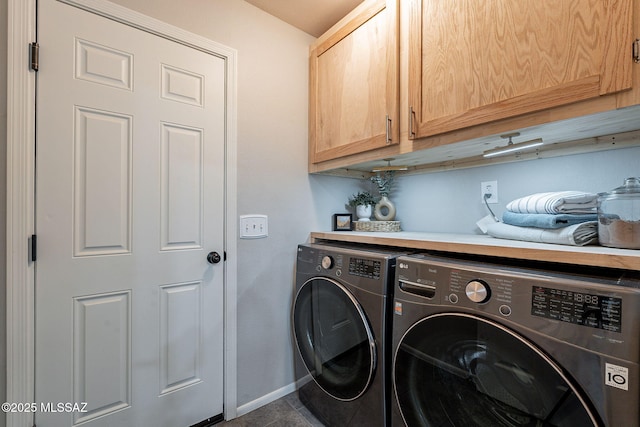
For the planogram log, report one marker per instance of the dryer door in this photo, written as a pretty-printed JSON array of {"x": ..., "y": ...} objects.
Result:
[
  {"x": 334, "y": 338},
  {"x": 458, "y": 369}
]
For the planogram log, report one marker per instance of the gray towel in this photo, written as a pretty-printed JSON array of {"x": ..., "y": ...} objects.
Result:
[
  {"x": 546, "y": 220},
  {"x": 582, "y": 234}
]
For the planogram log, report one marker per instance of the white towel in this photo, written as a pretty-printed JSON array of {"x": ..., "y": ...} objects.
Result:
[
  {"x": 575, "y": 235},
  {"x": 555, "y": 202}
]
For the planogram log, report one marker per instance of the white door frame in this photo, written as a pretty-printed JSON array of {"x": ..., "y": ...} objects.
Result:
[{"x": 21, "y": 84}]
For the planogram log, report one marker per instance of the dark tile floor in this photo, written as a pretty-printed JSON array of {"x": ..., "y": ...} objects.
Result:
[{"x": 287, "y": 411}]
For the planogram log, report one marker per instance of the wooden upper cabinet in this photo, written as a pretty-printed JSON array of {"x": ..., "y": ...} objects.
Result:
[
  {"x": 477, "y": 61},
  {"x": 353, "y": 83}
]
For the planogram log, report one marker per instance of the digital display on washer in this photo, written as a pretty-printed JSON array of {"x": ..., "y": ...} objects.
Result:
[
  {"x": 596, "y": 311},
  {"x": 364, "y": 268}
]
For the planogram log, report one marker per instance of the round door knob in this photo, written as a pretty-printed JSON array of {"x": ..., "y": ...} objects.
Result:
[
  {"x": 213, "y": 258},
  {"x": 478, "y": 291}
]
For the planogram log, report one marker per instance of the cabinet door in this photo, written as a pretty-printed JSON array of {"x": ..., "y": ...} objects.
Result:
[
  {"x": 477, "y": 61},
  {"x": 353, "y": 80}
]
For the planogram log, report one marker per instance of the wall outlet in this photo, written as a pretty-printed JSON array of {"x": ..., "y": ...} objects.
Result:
[
  {"x": 491, "y": 188},
  {"x": 254, "y": 226}
]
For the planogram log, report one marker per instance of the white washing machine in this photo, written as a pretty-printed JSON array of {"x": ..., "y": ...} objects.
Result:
[
  {"x": 341, "y": 315},
  {"x": 481, "y": 343}
]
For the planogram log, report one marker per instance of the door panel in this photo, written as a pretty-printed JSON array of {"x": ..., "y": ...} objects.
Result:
[
  {"x": 180, "y": 326},
  {"x": 102, "y": 208},
  {"x": 129, "y": 191},
  {"x": 102, "y": 348},
  {"x": 181, "y": 175}
]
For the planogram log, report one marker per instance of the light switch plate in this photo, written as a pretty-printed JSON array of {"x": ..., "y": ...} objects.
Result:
[{"x": 254, "y": 226}]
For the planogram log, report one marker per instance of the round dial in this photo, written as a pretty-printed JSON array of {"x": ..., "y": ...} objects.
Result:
[
  {"x": 327, "y": 262},
  {"x": 478, "y": 291}
]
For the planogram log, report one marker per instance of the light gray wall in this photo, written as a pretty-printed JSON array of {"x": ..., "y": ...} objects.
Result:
[
  {"x": 3, "y": 199},
  {"x": 451, "y": 201}
]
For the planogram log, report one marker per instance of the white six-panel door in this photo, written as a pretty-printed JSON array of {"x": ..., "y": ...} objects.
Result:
[{"x": 129, "y": 202}]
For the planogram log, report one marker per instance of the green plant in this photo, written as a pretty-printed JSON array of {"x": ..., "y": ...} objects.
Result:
[
  {"x": 384, "y": 182},
  {"x": 362, "y": 198}
]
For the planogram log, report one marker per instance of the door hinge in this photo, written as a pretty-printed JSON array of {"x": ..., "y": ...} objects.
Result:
[
  {"x": 636, "y": 50},
  {"x": 34, "y": 55},
  {"x": 34, "y": 247}
]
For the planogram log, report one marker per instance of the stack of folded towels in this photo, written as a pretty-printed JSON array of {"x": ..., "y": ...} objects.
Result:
[{"x": 564, "y": 218}]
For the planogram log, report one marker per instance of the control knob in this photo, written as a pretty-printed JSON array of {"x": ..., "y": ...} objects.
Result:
[
  {"x": 327, "y": 262},
  {"x": 478, "y": 291}
]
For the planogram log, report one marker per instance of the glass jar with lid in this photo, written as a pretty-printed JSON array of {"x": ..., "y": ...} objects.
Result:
[{"x": 619, "y": 216}]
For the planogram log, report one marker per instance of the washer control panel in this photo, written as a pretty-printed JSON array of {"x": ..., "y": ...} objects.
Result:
[
  {"x": 478, "y": 288},
  {"x": 451, "y": 286},
  {"x": 579, "y": 308},
  {"x": 595, "y": 309},
  {"x": 327, "y": 262},
  {"x": 478, "y": 291},
  {"x": 505, "y": 291}
]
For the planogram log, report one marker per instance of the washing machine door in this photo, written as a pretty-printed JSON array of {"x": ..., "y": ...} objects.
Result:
[
  {"x": 462, "y": 370},
  {"x": 334, "y": 338}
]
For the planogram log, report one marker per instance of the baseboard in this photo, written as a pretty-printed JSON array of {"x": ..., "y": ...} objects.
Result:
[{"x": 266, "y": 399}]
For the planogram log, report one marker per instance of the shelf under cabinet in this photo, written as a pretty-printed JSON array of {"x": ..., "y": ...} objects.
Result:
[{"x": 598, "y": 256}]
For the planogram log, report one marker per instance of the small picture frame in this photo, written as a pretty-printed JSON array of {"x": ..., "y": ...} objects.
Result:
[{"x": 342, "y": 222}]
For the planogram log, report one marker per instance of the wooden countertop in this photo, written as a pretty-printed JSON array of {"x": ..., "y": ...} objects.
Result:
[{"x": 600, "y": 256}]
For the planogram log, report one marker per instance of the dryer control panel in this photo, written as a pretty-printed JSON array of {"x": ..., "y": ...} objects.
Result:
[
  {"x": 360, "y": 267},
  {"x": 363, "y": 267},
  {"x": 370, "y": 269}
]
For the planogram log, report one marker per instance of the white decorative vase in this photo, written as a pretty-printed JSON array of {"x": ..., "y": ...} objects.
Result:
[
  {"x": 383, "y": 204},
  {"x": 363, "y": 212}
]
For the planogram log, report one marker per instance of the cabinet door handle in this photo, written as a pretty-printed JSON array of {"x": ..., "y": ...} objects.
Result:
[
  {"x": 388, "y": 130},
  {"x": 412, "y": 134}
]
